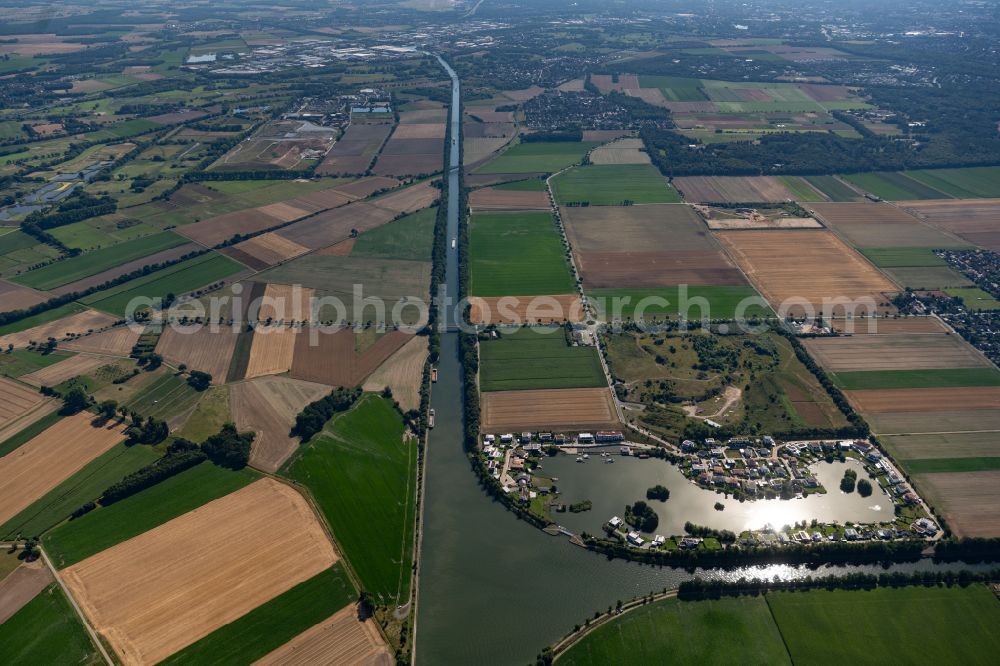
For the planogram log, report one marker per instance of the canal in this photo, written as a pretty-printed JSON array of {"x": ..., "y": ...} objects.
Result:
[{"x": 493, "y": 589}]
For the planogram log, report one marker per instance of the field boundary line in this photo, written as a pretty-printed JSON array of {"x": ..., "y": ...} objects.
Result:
[{"x": 95, "y": 639}]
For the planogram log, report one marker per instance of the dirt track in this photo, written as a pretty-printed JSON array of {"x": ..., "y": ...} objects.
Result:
[{"x": 161, "y": 591}]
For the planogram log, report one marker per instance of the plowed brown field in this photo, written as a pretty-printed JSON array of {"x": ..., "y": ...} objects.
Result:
[
  {"x": 881, "y": 225},
  {"x": 890, "y": 326},
  {"x": 271, "y": 249},
  {"x": 732, "y": 189},
  {"x": 402, "y": 373},
  {"x": 21, "y": 586},
  {"x": 341, "y": 639},
  {"x": 555, "y": 408},
  {"x": 974, "y": 220},
  {"x": 805, "y": 265},
  {"x": 41, "y": 464},
  {"x": 330, "y": 358},
  {"x": 200, "y": 348},
  {"x": 267, "y": 406},
  {"x": 878, "y": 401},
  {"x": 526, "y": 309},
  {"x": 15, "y": 297},
  {"x": 155, "y": 594}
]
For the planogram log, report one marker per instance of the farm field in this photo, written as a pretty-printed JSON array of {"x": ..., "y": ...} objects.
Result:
[
  {"x": 47, "y": 631},
  {"x": 268, "y": 406},
  {"x": 612, "y": 185},
  {"x": 50, "y": 458},
  {"x": 334, "y": 358},
  {"x": 361, "y": 470},
  {"x": 273, "y": 623},
  {"x": 723, "y": 302},
  {"x": 20, "y": 585},
  {"x": 888, "y": 624},
  {"x": 780, "y": 264},
  {"x": 894, "y": 352},
  {"x": 114, "y": 585},
  {"x": 660, "y": 245},
  {"x": 876, "y": 401},
  {"x": 704, "y": 632},
  {"x": 880, "y": 225},
  {"x": 168, "y": 398},
  {"x": 974, "y": 298},
  {"x": 21, "y": 362},
  {"x": 340, "y": 638},
  {"x": 537, "y": 359},
  {"x": 272, "y": 350},
  {"x": 209, "y": 415},
  {"x": 177, "y": 279},
  {"x": 544, "y": 309},
  {"x": 201, "y": 347},
  {"x": 107, "y": 526},
  {"x": 962, "y": 183},
  {"x": 18, "y": 400},
  {"x": 402, "y": 373},
  {"x": 917, "y": 268},
  {"x": 540, "y": 157},
  {"x": 973, "y": 220},
  {"x": 115, "y": 342},
  {"x": 950, "y": 446},
  {"x": 86, "y": 485},
  {"x": 548, "y": 408},
  {"x": 409, "y": 238},
  {"x": 889, "y": 379},
  {"x": 16, "y": 297},
  {"x": 733, "y": 189},
  {"x": 495, "y": 198},
  {"x": 622, "y": 151},
  {"x": 56, "y": 374},
  {"x": 26, "y": 428},
  {"x": 894, "y": 186},
  {"x": 354, "y": 152},
  {"x": 56, "y": 323},
  {"x": 968, "y": 500},
  {"x": 264, "y": 251},
  {"x": 833, "y": 188},
  {"x": 517, "y": 254}
]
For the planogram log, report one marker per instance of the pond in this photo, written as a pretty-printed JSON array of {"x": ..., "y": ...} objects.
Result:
[{"x": 611, "y": 486}]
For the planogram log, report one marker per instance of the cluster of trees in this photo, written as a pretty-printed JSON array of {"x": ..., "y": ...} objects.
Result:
[
  {"x": 566, "y": 135},
  {"x": 151, "y": 431},
  {"x": 199, "y": 380},
  {"x": 181, "y": 455},
  {"x": 658, "y": 492},
  {"x": 970, "y": 550},
  {"x": 849, "y": 481},
  {"x": 641, "y": 516},
  {"x": 80, "y": 206},
  {"x": 229, "y": 447},
  {"x": 314, "y": 416},
  {"x": 724, "y": 536}
]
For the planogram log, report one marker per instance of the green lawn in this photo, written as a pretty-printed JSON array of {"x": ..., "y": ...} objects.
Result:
[
  {"x": 273, "y": 623},
  {"x": 974, "y": 298},
  {"x": 177, "y": 279},
  {"x": 912, "y": 625},
  {"x": 537, "y": 359},
  {"x": 893, "y": 186},
  {"x": 970, "y": 183},
  {"x": 29, "y": 433},
  {"x": 613, "y": 184},
  {"x": 106, "y": 526},
  {"x": 541, "y": 157},
  {"x": 892, "y": 379},
  {"x": 725, "y": 631},
  {"x": 833, "y": 188},
  {"x": 91, "y": 263},
  {"x": 723, "y": 302},
  {"x": 41, "y": 318},
  {"x": 47, "y": 631},
  {"x": 87, "y": 485},
  {"x": 362, "y": 475},
  {"x": 935, "y": 465},
  {"x": 410, "y": 237},
  {"x": 517, "y": 254}
]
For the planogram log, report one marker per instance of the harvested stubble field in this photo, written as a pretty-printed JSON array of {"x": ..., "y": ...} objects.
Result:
[
  {"x": 402, "y": 163},
  {"x": 16, "y": 400},
  {"x": 789, "y": 267},
  {"x": 355, "y": 150},
  {"x": 882, "y": 225},
  {"x": 944, "y": 445},
  {"x": 365, "y": 187},
  {"x": 646, "y": 246},
  {"x": 241, "y": 562},
  {"x": 265, "y": 250},
  {"x": 894, "y": 351},
  {"x": 283, "y": 302},
  {"x": 215, "y": 230},
  {"x": 16, "y": 297},
  {"x": 526, "y": 309},
  {"x": 271, "y": 350},
  {"x": 733, "y": 189},
  {"x": 409, "y": 199},
  {"x": 490, "y": 198},
  {"x": 403, "y": 373},
  {"x": 78, "y": 323},
  {"x": 555, "y": 408},
  {"x": 477, "y": 150},
  {"x": 974, "y": 220},
  {"x": 335, "y": 225},
  {"x": 205, "y": 348},
  {"x": 623, "y": 151},
  {"x": 21, "y": 586},
  {"x": 332, "y": 357},
  {"x": 958, "y": 420},
  {"x": 967, "y": 499},
  {"x": 50, "y": 458},
  {"x": 57, "y": 373},
  {"x": 267, "y": 406},
  {"x": 341, "y": 639},
  {"x": 114, "y": 342},
  {"x": 881, "y": 401},
  {"x": 890, "y": 326}
]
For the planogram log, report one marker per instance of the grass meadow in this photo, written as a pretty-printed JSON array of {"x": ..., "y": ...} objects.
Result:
[
  {"x": 613, "y": 184},
  {"x": 47, "y": 631}
]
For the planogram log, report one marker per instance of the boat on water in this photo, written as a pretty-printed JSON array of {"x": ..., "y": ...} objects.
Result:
[
  {"x": 586, "y": 456},
  {"x": 579, "y": 459},
  {"x": 434, "y": 374},
  {"x": 430, "y": 419}
]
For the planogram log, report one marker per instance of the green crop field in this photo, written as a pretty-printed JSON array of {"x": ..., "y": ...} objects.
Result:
[
  {"x": 541, "y": 157},
  {"x": 84, "y": 486},
  {"x": 912, "y": 625},
  {"x": 537, "y": 359},
  {"x": 47, "y": 631},
  {"x": 970, "y": 183},
  {"x": 893, "y": 257},
  {"x": 177, "y": 279},
  {"x": 529, "y": 185},
  {"x": 273, "y": 623},
  {"x": 936, "y": 465},
  {"x": 91, "y": 263},
  {"x": 893, "y": 186},
  {"x": 410, "y": 237},
  {"x": 165, "y": 398},
  {"x": 109, "y": 525},
  {"x": 723, "y": 302},
  {"x": 675, "y": 88},
  {"x": 685, "y": 632},
  {"x": 41, "y": 318},
  {"x": 363, "y": 474},
  {"x": 22, "y": 362},
  {"x": 833, "y": 188},
  {"x": 517, "y": 254},
  {"x": 29, "y": 433},
  {"x": 974, "y": 298},
  {"x": 801, "y": 188},
  {"x": 916, "y": 268},
  {"x": 891, "y": 379},
  {"x": 613, "y": 184}
]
